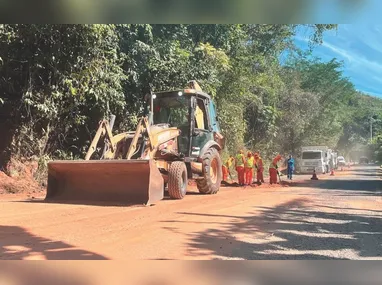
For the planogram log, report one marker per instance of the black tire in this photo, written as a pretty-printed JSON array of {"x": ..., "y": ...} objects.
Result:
[
  {"x": 177, "y": 180},
  {"x": 212, "y": 172}
]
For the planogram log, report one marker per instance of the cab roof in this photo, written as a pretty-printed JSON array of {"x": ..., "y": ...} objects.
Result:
[{"x": 187, "y": 91}]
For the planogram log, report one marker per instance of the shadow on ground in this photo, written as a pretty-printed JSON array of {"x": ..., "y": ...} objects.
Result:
[
  {"x": 357, "y": 181},
  {"x": 348, "y": 187},
  {"x": 18, "y": 243},
  {"x": 99, "y": 203},
  {"x": 289, "y": 231},
  {"x": 83, "y": 203}
]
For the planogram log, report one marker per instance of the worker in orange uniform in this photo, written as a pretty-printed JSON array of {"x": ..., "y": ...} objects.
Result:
[
  {"x": 259, "y": 168},
  {"x": 226, "y": 167},
  {"x": 249, "y": 163},
  {"x": 239, "y": 164},
  {"x": 273, "y": 169}
]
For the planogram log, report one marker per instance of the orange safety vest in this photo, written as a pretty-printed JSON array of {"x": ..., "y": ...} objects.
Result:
[
  {"x": 273, "y": 165},
  {"x": 274, "y": 162}
]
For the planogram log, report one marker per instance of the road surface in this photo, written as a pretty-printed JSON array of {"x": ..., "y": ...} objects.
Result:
[{"x": 337, "y": 217}]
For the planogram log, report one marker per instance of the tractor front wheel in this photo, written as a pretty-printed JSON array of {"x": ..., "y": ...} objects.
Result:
[
  {"x": 212, "y": 172},
  {"x": 177, "y": 180}
]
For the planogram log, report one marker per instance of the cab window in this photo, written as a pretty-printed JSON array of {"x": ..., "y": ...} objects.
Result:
[{"x": 200, "y": 116}]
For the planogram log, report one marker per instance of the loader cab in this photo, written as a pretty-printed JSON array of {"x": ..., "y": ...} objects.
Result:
[
  {"x": 202, "y": 127},
  {"x": 191, "y": 111},
  {"x": 173, "y": 109}
]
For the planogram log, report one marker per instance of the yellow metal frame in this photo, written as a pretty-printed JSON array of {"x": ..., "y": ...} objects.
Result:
[{"x": 155, "y": 139}]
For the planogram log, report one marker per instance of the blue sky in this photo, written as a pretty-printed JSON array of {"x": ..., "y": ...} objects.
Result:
[{"x": 359, "y": 47}]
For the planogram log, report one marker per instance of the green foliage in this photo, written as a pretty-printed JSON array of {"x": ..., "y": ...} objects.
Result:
[
  {"x": 328, "y": 106},
  {"x": 58, "y": 81}
]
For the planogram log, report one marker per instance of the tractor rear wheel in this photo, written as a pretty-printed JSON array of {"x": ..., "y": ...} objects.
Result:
[
  {"x": 177, "y": 180},
  {"x": 212, "y": 172}
]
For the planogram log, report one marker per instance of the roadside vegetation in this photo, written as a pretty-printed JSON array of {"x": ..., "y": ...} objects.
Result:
[{"x": 58, "y": 81}]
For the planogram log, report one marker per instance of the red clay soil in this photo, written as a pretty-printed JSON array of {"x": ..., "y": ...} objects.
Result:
[
  {"x": 197, "y": 227},
  {"x": 37, "y": 230},
  {"x": 21, "y": 183}
]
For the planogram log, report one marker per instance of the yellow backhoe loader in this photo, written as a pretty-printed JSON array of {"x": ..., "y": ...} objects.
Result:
[{"x": 180, "y": 139}]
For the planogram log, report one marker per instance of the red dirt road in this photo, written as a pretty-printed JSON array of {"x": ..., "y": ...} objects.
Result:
[{"x": 237, "y": 223}]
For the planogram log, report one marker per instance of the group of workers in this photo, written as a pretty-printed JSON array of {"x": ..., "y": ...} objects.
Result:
[{"x": 245, "y": 166}]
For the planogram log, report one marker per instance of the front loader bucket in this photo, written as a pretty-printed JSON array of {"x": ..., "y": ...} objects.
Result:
[{"x": 120, "y": 181}]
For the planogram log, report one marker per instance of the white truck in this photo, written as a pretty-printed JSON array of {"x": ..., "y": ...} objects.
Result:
[{"x": 318, "y": 158}]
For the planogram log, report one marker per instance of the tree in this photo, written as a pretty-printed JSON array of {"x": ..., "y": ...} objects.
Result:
[{"x": 57, "y": 82}]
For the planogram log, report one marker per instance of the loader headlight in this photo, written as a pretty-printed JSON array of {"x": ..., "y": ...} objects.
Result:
[
  {"x": 154, "y": 96},
  {"x": 180, "y": 93}
]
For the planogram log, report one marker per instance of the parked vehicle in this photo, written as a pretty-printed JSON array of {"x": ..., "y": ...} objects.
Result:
[
  {"x": 363, "y": 160},
  {"x": 316, "y": 158},
  {"x": 178, "y": 140},
  {"x": 341, "y": 161}
]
